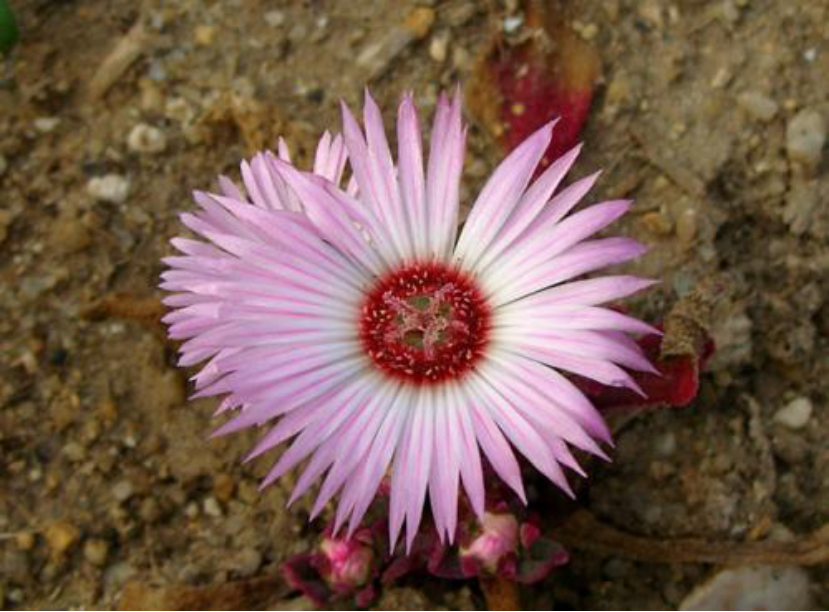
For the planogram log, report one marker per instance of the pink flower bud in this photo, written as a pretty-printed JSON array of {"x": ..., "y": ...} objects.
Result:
[
  {"x": 346, "y": 564},
  {"x": 498, "y": 538}
]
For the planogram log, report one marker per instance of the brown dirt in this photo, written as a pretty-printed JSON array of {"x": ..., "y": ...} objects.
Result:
[{"x": 106, "y": 473}]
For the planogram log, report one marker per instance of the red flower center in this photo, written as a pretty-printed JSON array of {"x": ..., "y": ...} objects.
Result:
[{"x": 425, "y": 323}]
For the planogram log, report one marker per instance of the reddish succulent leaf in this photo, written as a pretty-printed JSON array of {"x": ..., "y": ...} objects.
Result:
[
  {"x": 677, "y": 386},
  {"x": 518, "y": 89}
]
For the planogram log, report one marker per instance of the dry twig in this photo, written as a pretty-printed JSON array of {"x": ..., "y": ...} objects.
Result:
[{"x": 584, "y": 531}]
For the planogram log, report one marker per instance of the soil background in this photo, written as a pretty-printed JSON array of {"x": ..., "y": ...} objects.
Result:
[{"x": 705, "y": 114}]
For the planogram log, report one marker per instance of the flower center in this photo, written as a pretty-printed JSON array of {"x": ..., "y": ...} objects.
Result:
[{"x": 425, "y": 323}]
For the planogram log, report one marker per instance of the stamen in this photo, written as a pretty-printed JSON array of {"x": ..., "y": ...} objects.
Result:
[{"x": 425, "y": 323}]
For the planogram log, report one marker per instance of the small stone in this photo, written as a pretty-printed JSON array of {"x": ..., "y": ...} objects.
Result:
[
  {"x": 274, "y": 18},
  {"x": 145, "y": 138},
  {"x": 68, "y": 234},
  {"x": 223, "y": 487},
  {"x": 665, "y": 445},
  {"x": 589, "y": 31},
  {"x": 420, "y": 21},
  {"x": 721, "y": 78},
  {"x": 96, "y": 551},
  {"x": 111, "y": 188},
  {"x": 461, "y": 58},
  {"x": 4, "y": 165},
  {"x": 46, "y": 125},
  {"x": 513, "y": 23},
  {"x": 246, "y": 562},
  {"x": 651, "y": 12},
  {"x": 456, "y": 14},
  {"x": 212, "y": 508},
  {"x": 805, "y": 137},
  {"x": 204, "y": 35},
  {"x": 61, "y": 536},
  {"x": 122, "y": 491},
  {"x": 74, "y": 452},
  {"x": 801, "y": 205},
  {"x": 686, "y": 227},
  {"x": 657, "y": 222},
  {"x": 439, "y": 47},
  {"x": 117, "y": 574},
  {"x": 149, "y": 511},
  {"x": 25, "y": 540},
  {"x": 758, "y": 105},
  {"x": 758, "y": 587},
  {"x": 795, "y": 414},
  {"x": 377, "y": 56}
]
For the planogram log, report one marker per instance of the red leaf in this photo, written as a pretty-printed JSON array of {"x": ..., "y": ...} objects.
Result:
[
  {"x": 677, "y": 386},
  {"x": 518, "y": 89}
]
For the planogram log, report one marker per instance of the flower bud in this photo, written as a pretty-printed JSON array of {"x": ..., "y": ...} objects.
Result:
[
  {"x": 497, "y": 539},
  {"x": 346, "y": 564}
]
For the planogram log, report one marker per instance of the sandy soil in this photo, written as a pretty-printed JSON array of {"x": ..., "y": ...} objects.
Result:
[{"x": 700, "y": 115}]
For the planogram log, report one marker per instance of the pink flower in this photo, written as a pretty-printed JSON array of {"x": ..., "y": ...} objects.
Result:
[
  {"x": 363, "y": 327},
  {"x": 497, "y": 539}
]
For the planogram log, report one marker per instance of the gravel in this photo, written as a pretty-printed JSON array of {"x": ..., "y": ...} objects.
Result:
[
  {"x": 805, "y": 137},
  {"x": 795, "y": 414}
]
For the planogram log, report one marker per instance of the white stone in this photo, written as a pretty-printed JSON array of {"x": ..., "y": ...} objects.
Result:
[
  {"x": 805, "y": 137},
  {"x": 795, "y": 414},
  {"x": 758, "y": 587},
  {"x": 512, "y": 23},
  {"x": 212, "y": 507},
  {"x": 44, "y": 125},
  {"x": 274, "y": 18},
  {"x": 112, "y": 188},
  {"x": 758, "y": 105},
  {"x": 439, "y": 46},
  {"x": 122, "y": 490},
  {"x": 145, "y": 138}
]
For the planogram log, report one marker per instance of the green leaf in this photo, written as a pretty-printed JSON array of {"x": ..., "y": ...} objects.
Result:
[{"x": 8, "y": 28}]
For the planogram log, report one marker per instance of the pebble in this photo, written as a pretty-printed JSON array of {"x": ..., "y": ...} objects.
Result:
[
  {"x": 4, "y": 165},
  {"x": 513, "y": 23},
  {"x": 805, "y": 137},
  {"x": 25, "y": 540},
  {"x": 74, "y": 452},
  {"x": 111, "y": 188},
  {"x": 204, "y": 35},
  {"x": 802, "y": 201},
  {"x": 420, "y": 21},
  {"x": 439, "y": 47},
  {"x": 758, "y": 105},
  {"x": 145, "y": 138},
  {"x": 757, "y": 587},
  {"x": 657, "y": 222},
  {"x": 212, "y": 508},
  {"x": 96, "y": 551},
  {"x": 46, "y": 125},
  {"x": 122, "y": 490},
  {"x": 651, "y": 12},
  {"x": 274, "y": 18},
  {"x": 116, "y": 575},
  {"x": 149, "y": 510},
  {"x": 61, "y": 536},
  {"x": 68, "y": 234},
  {"x": 457, "y": 14},
  {"x": 223, "y": 487},
  {"x": 246, "y": 562},
  {"x": 376, "y": 57},
  {"x": 686, "y": 228},
  {"x": 795, "y": 414}
]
